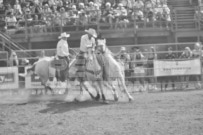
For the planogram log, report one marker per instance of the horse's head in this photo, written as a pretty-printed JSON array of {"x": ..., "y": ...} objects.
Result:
[{"x": 101, "y": 45}]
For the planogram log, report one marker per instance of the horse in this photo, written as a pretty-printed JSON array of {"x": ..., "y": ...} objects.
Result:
[
  {"x": 47, "y": 67},
  {"x": 113, "y": 69},
  {"x": 92, "y": 72}
]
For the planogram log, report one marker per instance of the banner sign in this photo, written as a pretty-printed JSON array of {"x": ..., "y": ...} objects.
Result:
[
  {"x": 175, "y": 68},
  {"x": 9, "y": 78},
  {"x": 139, "y": 71}
]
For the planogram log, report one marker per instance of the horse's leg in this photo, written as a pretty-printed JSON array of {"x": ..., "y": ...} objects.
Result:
[
  {"x": 122, "y": 81},
  {"x": 97, "y": 90},
  {"x": 100, "y": 84},
  {"x": 91, "y": 95},
  {"x": 114, "y": 91}
]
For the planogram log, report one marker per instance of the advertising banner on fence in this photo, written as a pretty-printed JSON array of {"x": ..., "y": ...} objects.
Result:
[
  {"x": 9, "y": 78},
  {"x": 174, "y": 68}
]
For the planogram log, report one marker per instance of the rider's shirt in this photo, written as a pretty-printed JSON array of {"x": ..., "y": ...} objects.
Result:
[
  {"x": 86, "y": 43},
  {"x": 62, "y": 48}
]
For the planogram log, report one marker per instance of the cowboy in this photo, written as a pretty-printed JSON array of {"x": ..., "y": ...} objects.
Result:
[
  {"x": 87, "y": 45},
  {"x": 62, "y": 51}
]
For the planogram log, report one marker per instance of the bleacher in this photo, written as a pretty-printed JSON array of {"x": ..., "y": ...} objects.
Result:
[{"x": 183, "y": 24}]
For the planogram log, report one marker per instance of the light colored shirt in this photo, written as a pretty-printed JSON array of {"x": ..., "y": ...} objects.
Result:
[
  {"x": 62, "y": 48},
  {"x": 85, "y": 43}
]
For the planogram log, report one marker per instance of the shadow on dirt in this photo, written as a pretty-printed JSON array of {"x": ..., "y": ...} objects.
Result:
[{"x": 62, "y": 107}]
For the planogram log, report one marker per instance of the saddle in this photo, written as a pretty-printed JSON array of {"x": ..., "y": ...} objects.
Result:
[{"x": 61, "y": 66}]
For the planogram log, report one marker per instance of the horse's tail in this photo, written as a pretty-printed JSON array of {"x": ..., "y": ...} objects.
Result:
[{"x": 31, "y": 69}]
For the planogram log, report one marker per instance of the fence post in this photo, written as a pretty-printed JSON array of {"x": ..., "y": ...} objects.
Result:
[{"x": 155, "y": 78}]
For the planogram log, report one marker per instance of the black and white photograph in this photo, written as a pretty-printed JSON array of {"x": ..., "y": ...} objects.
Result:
[{"x": 101, "y": 67}]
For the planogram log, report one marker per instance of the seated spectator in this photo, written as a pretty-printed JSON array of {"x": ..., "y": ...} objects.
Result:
[
  {"x": 46, "y": 9},
  {"x": 17, "y": 8},
  {"x": 2, "y": 24},
  {"x": 2, "y": 9},
  {"x": 139, "y": 5},
  {"x": 107, "y": 15},
  {"x": 11, "y": 21},
  {"x": 83, "y": 19},
  {"x": 81, "y": 7},
  {"x": 121, "y": 16},
  {"x": 9, "y": 10},
  {"x": 137, "y": 15},
  {"x": 166, "y": 13},
  {"x": 64, "y": 16},
  {"x": 98, "y": 2}
]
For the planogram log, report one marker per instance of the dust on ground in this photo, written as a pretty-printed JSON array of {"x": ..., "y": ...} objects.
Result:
[{"x": 168, "y": 113}]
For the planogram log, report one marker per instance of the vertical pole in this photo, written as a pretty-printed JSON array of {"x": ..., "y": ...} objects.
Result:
[
  {"x": 3, "y": 44},
  {"x": 156, "y": 82}
]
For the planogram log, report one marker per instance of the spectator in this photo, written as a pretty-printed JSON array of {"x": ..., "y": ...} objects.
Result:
[
  {"x": 83, "y": 19},
  {"x": 121, "y": 16},
  {"x": 107, "y": 15},
  {"x": 187, "y": 54},
  {"x": 9, "y": 10},
  {"x": 11, "y": 21},
  {"x": 17, "y": 8},
  {"x": 124, "y": 58},
  {"x": 13, "y": 60},
  {"x": 139, "y": 5},
  {"x": 138, "y": 15},
  {"x": 2, "y": 24},
  {"x": 2, "y": 9},
  {"x": 197, "y": 53},
  {"x": 63, "y": 16},
  {"x": 169, "y": 56},
  {"x": 151, "y": 57},
  {"x": 137, "y": 63}
]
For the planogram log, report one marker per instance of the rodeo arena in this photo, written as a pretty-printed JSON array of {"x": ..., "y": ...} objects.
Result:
[{"x": 101, "y": 67}]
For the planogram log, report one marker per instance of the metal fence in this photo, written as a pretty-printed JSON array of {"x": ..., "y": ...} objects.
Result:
[{"x": 143, "y": 77}]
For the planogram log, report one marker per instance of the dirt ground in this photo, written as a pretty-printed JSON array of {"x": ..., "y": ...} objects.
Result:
[{"x": 167, "y": 113}]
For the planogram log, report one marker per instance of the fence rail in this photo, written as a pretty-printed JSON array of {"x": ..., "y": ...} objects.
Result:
[{"x": 151, "y": 73}]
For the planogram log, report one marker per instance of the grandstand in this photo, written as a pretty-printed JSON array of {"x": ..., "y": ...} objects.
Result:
[{"x": 37, "y": 25}]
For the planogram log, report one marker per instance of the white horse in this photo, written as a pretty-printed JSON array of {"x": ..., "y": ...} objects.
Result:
[{"x": 113, "y": 69}]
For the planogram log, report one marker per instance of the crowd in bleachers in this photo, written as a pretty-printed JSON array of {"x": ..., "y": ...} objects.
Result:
[{"x": 53, "y": 13}]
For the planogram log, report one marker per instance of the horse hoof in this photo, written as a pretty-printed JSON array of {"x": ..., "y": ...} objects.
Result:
[
  {"x": 115, "y": 98},
  {"x": 75, "y": 100},
  {"x": 97, "y": 97},
  {"x": 131, "y": 99}
]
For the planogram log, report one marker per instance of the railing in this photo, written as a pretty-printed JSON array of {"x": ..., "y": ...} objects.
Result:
[{"x": 143, "y": 74}]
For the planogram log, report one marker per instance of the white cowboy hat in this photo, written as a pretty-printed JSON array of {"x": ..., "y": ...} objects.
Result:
[
  {"x": 123, "y": 49},
  {"x": 91, "y": 32},
  {"x": 64, "y": 35}
]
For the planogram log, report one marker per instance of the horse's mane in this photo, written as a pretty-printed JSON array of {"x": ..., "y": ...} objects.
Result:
[{"x": 108, "y": 51}]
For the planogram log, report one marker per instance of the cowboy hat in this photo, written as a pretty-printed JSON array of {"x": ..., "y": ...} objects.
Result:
[
  {"x": 123, "y": 49},
  {"x": 92, "y": 32},
  {"x": 64, "y": 34}
]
